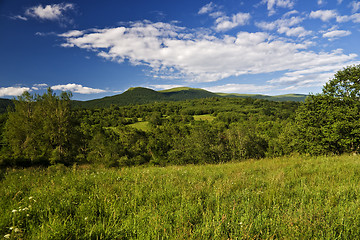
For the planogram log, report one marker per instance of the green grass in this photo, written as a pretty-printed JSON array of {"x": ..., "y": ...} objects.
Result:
[
  {"x": 283, "y": 198},
  {"x": 144, "y": 126},
  {"x": 205, "y": 117}
]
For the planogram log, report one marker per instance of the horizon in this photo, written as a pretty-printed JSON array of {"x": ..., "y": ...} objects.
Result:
[{"x": 94, "y": 50}]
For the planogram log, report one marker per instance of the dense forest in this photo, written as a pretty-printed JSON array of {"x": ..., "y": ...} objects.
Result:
[{"x": 46, "y": 130}]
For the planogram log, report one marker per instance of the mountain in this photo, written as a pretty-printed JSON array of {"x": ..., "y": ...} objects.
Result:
[{"x": 140, "y": 95}]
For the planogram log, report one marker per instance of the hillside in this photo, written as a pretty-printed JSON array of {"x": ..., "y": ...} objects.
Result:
[{"x": 140, "y": 95}]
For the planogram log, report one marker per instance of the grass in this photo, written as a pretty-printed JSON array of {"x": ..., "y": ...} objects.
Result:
[
  {"x": 285, "y": 198},
  {"x": 144, "y": 126},
  {"x": 205, "y": 117}
]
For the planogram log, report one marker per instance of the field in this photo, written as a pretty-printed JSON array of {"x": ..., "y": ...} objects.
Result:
[{"x": 285, "y": 198}]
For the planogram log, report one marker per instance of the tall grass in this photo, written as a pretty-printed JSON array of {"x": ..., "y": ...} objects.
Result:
[{"x": 286, "y": 198}]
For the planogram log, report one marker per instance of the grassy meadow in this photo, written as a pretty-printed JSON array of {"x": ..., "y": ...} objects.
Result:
[{"x": 281, "y": 198}]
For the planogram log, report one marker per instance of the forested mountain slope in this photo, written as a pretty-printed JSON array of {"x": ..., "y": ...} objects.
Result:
[{"x": 141, "y": 95}]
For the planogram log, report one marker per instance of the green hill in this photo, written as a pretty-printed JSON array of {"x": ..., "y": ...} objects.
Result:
[
  {"x": 140, "y": 95},
  {"x": 184, "y": 93}
]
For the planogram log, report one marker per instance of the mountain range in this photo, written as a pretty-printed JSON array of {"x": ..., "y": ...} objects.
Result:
[{"x": 140, "y": 95}]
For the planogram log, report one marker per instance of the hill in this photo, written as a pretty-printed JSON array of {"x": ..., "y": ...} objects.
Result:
[{"x": 140, "y": 95}]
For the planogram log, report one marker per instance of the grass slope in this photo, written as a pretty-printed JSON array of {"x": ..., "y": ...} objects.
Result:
[{"x": 283, "y": 198}]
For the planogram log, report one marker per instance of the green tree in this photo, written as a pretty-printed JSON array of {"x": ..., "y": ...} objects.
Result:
[
  {"x": 41, "y": 130},
  {"x": 330, "y": 122},
  {"x": 346, "y": 83}
]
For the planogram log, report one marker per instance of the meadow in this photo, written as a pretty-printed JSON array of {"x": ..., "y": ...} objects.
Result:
[{"x": 296, "y": 197}]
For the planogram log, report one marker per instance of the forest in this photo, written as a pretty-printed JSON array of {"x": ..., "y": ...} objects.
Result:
[{"x": 44, "y": 130}]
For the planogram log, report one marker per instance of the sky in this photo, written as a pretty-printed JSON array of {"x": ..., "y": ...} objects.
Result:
[{"x": 99, "y": 48}]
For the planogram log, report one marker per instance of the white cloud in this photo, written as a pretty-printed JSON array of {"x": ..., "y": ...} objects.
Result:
[
  {"x": 77, "y": 88},
  {"x": 316, "y": 76},
  {"x": 240, "y": 88},
  {"x": 272, "y": 4},
  {"x": 285, "y": 26},
  {"x": 39, "y": 86},
  {"x": 12, "y": 91},
  {"x": 19, "y": 17},
  {"x": 355, "y": 6},
  {"x": 165, "y": 86},
  {"x": 336, "y": 34},
  {"x": 324, "y": 15},
  {"x": 169, "y": 50},
  {"x": 207, "y": 8},
  {"x": 225, "y": 23},
  {"x": 320, "y": 2},
  {"x": 50, "y": 12},
  {"x": 355, "y": 18},
  {"x": 73, "y": 33},
  {"x": 222, "y": 21},
  {"x": 339, "y": 1}
]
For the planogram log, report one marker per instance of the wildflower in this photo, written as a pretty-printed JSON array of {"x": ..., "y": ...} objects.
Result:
[
  {"x": 7, "y": 236},
  {"x": 86, "y": 218},
  {"x": 30, "y": 198},
  {"x": 17, "y": 230},
  {"x": 11, "y": 228},
  {"x": 25, "y": 208},
  {"x": 14, "y": 211}
]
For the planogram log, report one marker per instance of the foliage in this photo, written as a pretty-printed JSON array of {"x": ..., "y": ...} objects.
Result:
[
  {"x": 345, "y": 84},
  {"x": 329, "y": 122},
  {"x": 41, "y": 130}
]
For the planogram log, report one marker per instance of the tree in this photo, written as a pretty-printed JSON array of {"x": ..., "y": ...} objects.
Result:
[
  {"x": 330, "y": 122},
  {"x": 41, "y": 130},
  {"x": 346, "y": 83}
]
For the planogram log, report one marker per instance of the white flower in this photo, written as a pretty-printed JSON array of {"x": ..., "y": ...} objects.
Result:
[
  {"x": 14, "y": 211},
  {"x": 17, "y": 230},
  {"x": 86, "y": 218},
  {"x": 30, "y": 198},
  {"x": 7, "y": 236},
  {"x": 11, "y": 228}
]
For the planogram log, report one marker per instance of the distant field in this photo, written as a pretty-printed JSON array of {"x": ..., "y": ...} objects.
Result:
[
  {"x": 206, "y": 117},
  {"x": 144, "y": 126},
  {"x": 283, "y": 198}
]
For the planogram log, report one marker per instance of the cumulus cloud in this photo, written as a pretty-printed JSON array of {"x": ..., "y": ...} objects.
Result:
[
  {"x": 336, "y": 34},
  {"x": 169, "y": 50},
  {"x": 225, "y": 23},
  {"x": 324, "y": 15},
  {"x": 53, "y": 12},
  {"x": 12, "y": 91},
  {"x": 355, "y": 6},
  {"x": 77, "y": 88},
  {"x": 273, "y": 4},
  {"x": 49, "y": 12},
  {"x": 222, "y": 21},
  {"x": 285, "y": 26}
]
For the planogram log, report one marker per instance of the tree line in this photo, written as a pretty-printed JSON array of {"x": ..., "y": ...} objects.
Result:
[{"x": 46, "y": 130}]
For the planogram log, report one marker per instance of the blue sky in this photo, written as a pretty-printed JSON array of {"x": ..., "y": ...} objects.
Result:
[{"x": 101, "y": 48}]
